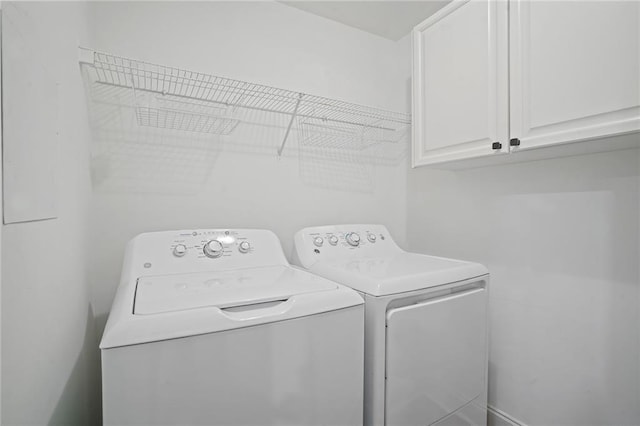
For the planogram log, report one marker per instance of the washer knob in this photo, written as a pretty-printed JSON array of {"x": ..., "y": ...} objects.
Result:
[
  {"x": 353, "y": 239},
  {"x": 371, "y": 238},
  {"x": 244, "y": 247},
  {"x": 318, "y": 241},
  {"x": 213, "y": 249},
  {"x": 333, "y": 240},
  {"x": 179, "y": 250}
]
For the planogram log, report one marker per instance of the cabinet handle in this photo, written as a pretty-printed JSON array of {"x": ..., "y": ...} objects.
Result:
[
  {"x": 514, "y": 142},
  {"x": 496, "y": 145}
]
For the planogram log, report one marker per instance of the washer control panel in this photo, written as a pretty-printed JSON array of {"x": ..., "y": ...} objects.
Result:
[
  {"x": 340, "y": 242},
  {"x": 206, "y": 249},
  {"x": 212, "y": 244}
]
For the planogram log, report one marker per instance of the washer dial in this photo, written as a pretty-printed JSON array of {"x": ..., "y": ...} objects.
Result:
[
  {"x": 353, "y": 239},
  {"x": 333, "y": 240},
  {"x": 318, "y": 241},
  {"x": 213, "y": 249},
  {"x": 244, "y": 247},
  {"x": 371, "y": 237},
  {"x": 179, "y": 250}
]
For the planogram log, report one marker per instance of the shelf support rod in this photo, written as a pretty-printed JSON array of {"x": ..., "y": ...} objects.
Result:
[{"x": 293, "y": 116}]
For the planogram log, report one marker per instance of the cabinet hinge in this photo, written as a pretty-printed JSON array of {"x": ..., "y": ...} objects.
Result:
[
  {"x": 496, "y": 145},
  {"x": 514, "y": 142}
]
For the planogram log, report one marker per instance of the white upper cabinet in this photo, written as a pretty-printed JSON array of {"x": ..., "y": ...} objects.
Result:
[
  {"x": 574, "y": 69},
  {"x": 529, "y": 74},
  {"x": 460, "y": 83}
]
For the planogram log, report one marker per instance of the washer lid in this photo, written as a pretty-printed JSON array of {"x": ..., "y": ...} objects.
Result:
[
  {"x": 154, "y": 308},
  {"x": 402, "y": 272},
  {"x": 222, "y": 289}
]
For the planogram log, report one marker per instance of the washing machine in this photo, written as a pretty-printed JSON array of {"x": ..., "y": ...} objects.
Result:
[
  {"x": 214, "y": 327},
  {"x": 425, "y": 324}
]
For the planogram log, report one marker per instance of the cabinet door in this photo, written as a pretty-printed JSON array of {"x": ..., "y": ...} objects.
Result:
[
  {"x": 460, "y": 83},
  {"x": 575, "y": 68}
]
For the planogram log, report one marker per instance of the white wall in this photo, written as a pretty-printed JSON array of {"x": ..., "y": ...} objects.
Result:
[
  {"x": 561, "y": 240},
  {"x": 264, "y": 42},
  {"x": 48, "y": 332},
  {"x": 1, "y": 207}
]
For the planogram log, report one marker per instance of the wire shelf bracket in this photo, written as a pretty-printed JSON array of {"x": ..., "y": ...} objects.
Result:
[
  {"x": 203, "y": 102},
  {"x": 293, "y": 117}
]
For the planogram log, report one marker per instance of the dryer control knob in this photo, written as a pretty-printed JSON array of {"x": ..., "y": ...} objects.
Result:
[
  {"x": 213, "y": 249},
  {"x": 179, "y": 250},
  {"x": 333, "y": 240},
  {"x": 353, "y": 239},
  {"x": 318, "y": 241},
  {"x": 244, "y": 247},
  {"x": 371, "y": 238}
]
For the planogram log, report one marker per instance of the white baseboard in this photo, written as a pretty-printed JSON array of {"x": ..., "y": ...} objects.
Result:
[{"x": 496, "y": 417}]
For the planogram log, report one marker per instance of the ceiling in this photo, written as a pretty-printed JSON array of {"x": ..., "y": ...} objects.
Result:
[{"x": 389, "y": 19}]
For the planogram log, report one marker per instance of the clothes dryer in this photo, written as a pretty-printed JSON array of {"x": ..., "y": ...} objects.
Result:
[
  {"x": 425, "y": 324},
  {"x": 214, "y": 327}
]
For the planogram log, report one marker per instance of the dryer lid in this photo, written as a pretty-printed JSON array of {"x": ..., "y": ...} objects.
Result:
[
  {"x": 398, "y": 273},
  {"x": 222, "y": 289}
]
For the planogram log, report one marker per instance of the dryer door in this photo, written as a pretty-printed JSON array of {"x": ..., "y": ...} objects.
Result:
[{"x": 436, "y": 357}]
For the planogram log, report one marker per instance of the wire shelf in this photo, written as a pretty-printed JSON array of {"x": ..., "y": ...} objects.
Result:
[
  {"x": 322, "y": 133},
  {"x": 177, "y": 114},
  {"x": 345, "y": 123},
  {"x": 188, "y": 122}
]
